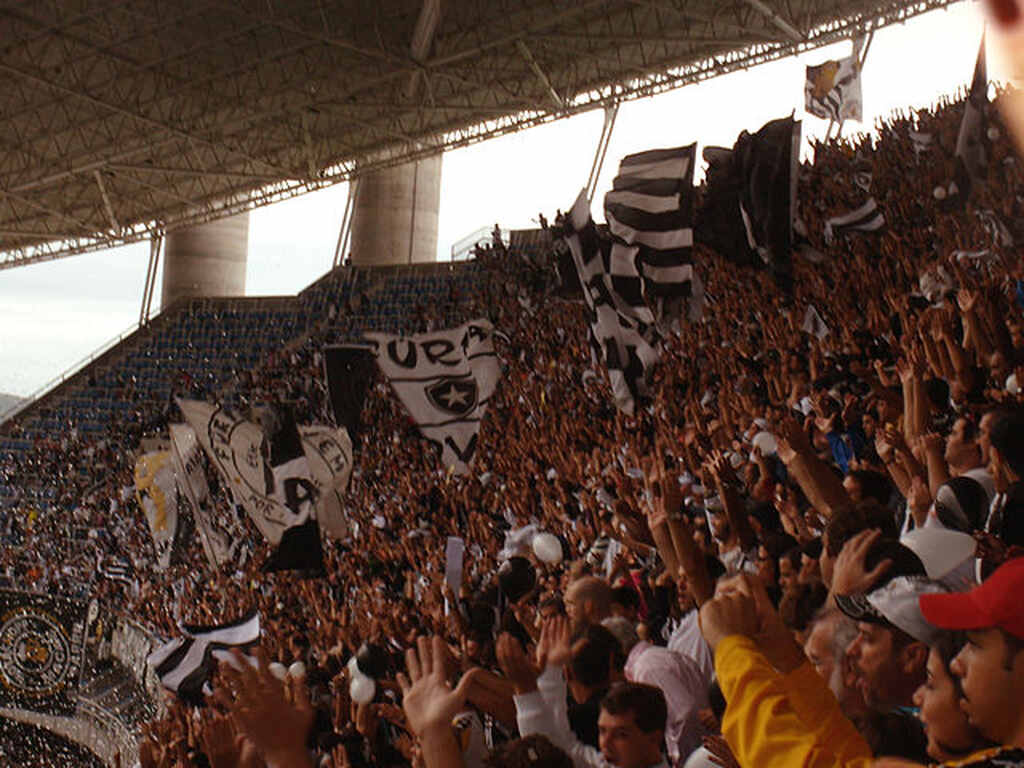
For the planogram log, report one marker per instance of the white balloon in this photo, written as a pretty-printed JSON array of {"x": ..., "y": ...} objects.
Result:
[
  {"x": 547, "y": 548},
  {"x": 362, "y": 689},
  {"x": 278, "y": 670},
  {"x": 939, "y": 193},
  {"x": 297, "y": 670}
]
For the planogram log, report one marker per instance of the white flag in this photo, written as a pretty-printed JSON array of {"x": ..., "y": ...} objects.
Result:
[
  {"x": 445, "y": 380},
  {"x": 239, "y": 450},
  {"x": 329, "y": 453},
  {"x": 216, "y": 537},
  {"x": 158, "y": 497}
]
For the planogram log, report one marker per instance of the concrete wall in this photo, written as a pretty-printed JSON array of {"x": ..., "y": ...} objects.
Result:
[
  {"x": 206, "y": 260},
  {"x": 396, "y": 213}
]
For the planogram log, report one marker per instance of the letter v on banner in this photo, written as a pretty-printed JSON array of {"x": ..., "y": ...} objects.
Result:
[{"x": 446, "y": 391}]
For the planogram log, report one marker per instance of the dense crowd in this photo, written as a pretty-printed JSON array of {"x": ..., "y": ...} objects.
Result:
[{"x": 804, "y": 486}]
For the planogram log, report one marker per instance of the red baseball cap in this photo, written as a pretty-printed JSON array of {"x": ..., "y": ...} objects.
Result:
[{"x": 993, "y": 604}]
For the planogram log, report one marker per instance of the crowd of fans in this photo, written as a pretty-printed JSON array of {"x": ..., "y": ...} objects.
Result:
[{"x": 741, "y": 561}]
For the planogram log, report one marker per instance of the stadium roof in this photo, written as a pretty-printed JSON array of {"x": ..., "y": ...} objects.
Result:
[{"x": 121, "y": 118}]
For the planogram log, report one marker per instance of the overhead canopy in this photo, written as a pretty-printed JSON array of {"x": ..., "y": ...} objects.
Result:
[{"x": 121, "y": 118}]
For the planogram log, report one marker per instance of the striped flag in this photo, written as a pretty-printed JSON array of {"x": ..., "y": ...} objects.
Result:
[
  {"x": 114, "y": 568},
  {"x": 622, "y": 331},
  {"x": 185, "y": 664},
  {"x": 867, "y": 218},
  {"x": 650, "y": 207}
]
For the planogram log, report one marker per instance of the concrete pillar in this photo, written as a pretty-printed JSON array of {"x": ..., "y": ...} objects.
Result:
[
  {"x": 396, "y": 213},
  {"x": 206, "y": 260}
]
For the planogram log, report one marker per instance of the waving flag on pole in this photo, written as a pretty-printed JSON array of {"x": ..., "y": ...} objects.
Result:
[
  {"x": 329, "y": 453},
  {"x": 445, "y": 380},
  {"x": 217, "y": 539},
  {"x": 622, "y": 331},
  {"x": 832, "y": 90},
  {"x": 972, "y": 141},
  {"x": 184, "y": 665},
  {"x": 157, "y": 494},
  {"x": 268, "y": 474},
  {"x": 650, "y": 206}
]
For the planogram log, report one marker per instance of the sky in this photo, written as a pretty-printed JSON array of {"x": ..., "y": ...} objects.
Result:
[{"x": 55, "y": 315}]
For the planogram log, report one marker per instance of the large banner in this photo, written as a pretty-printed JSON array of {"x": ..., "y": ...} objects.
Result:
[
  {"x": 445, "y": 380},
  {"x": 158, "y": 496},
  {"x": 268, "y": 473},
  {"x": 41, "y": 651},
  {"x": 216, "y": 537}
]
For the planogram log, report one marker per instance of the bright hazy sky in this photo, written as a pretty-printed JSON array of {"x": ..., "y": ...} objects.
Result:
[{"x": 55, "y": 314}]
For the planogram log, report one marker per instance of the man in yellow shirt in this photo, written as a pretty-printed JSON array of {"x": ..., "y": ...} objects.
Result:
[{"x": 780, "y": 712}]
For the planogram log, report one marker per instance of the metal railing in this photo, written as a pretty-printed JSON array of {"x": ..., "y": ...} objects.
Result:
[
  {"x": 463, "y": 247},
  {"x": 73, "y": 370}
]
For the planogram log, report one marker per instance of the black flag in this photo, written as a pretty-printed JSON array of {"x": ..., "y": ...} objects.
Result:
[
  {"x": 719, "y": 223},
  {"x": 972, "y": 141},
  {"x": 767, "y": 165},
  {"x": 349, "y": 369}
]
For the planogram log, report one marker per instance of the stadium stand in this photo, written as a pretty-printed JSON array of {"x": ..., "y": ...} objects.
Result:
[{"x": 906, "y": 386}]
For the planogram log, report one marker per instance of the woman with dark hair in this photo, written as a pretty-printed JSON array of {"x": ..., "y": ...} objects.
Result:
[{"x": 950, "y": 734}]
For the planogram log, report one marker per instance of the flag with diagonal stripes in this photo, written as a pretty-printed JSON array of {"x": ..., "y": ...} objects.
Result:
[
  {"x": 866, "y": 218},
  {"x": 622, "y": 331},
  {"x": 184, "y": 665},
  {"x": 650, "y": 207}
]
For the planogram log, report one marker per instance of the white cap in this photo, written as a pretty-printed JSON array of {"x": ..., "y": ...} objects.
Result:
[
  {"x": 947, "y": 555},
  {"x": 896, "y": 603}
]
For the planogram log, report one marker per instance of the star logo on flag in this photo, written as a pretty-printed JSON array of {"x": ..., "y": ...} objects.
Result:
[{"x": 455, "y": 396}]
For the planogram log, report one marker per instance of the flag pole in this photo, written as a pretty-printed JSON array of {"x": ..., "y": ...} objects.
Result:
[{"x": 610, "y": 113}]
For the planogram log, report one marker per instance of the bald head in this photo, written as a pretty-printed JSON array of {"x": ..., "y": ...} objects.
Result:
[{"x": 588, "y": 601}]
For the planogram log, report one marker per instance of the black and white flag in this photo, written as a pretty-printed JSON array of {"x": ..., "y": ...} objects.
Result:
[
  {"x": 329, "y": 453},
  {"x": 157, "y": 495},
  {"x": 115, "y": 568},
  {"x": 972, "y": 141},
  {"x": 185, "y": 664},
  {"x": 832, "y": 90},
  {"x": 650, "y": 206},
  {"x": 445, "y": 380},
  {"x": 622, "y": 331},
  {"x": 41, "y": 651},
  {"x": 218, "y": 539},
  {"x": 866, "y": 218},
  {"x": 268, "y": 473}
]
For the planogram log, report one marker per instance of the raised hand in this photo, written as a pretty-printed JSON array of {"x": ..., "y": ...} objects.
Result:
[
  {"x": 515, "y": 664},
  {"x": 429, "y": 701},
  {"x": 220, "y": 741},
  {"x": 275, "y": 719},
  {"x": 727, "y": 615},
  {"x": 850, "y": 575}
]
